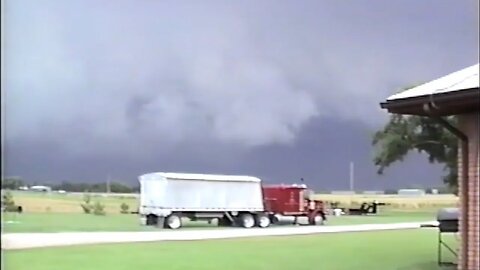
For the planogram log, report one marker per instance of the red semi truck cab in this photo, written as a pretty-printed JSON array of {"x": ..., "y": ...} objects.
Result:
[{"x": 293, "y": 200}]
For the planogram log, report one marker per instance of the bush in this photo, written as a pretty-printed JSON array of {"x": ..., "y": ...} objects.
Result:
[
  {"x": 7, "y": 199},
  {"x": 87, "y": 208},
  {"x": 124, "y": 208},
  {"x": 87, "y": 198},
  {"x": 99, "y": 209},
  {"x": 8, "y": 204}
]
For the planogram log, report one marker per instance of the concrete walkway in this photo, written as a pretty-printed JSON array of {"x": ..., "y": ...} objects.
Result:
[{"x": 36, "y": 240}]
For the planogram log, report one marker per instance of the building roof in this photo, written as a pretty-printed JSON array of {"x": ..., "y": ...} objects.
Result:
[
  {"x": 455, "y": 93},
  {"x": 466, "y": 78},
  {"x": 192, "y": 176},
  {"x": 40, "y": 187}
]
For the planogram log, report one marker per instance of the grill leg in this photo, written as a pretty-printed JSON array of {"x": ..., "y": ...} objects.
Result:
[{"x": 439, "y": 259}]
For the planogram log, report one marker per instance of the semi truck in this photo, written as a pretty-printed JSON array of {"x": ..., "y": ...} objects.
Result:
[{"x": 233, "y": 200}]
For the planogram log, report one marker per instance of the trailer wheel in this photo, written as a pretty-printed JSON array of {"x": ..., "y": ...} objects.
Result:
[
  {"x": 247, "y": 220},
  {"x": 262, "y": 221},
  {"x": 173, "y": 221}
]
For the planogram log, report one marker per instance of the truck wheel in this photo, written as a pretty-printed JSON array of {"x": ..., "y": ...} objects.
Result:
[
  {"x": 247, "y": 220},
  {"x": 274, "y": 219},
  {"x": 262, "y": 221},
  {"x": 173, "y": 221},
  {"x": 316, "y": 219}
]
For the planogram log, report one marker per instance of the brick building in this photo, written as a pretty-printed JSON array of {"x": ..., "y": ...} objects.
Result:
[{"x": 455, "y": 94}]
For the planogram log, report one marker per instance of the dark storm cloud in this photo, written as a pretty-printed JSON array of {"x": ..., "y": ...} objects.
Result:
[{"x": 135, "y": 86}]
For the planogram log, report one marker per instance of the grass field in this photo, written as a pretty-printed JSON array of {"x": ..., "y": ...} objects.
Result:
[
  {"x": 53, "y": 212},
  {"x": 382, "y": 250},
  {"x": 394, "y": 201},
  {"x": 60, "y": 222},
  {"x": 34, "y": 202},
  {"x": 395, "y": 250}
]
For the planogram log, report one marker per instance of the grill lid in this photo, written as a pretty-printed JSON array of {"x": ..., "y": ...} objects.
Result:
[{"x": 448, "y": 214}]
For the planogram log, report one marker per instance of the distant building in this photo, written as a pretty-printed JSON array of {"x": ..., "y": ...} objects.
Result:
[
  {"x": 343, "y": 192},
  {"x": 373, "y": 192},
  {"x": 411, "y": 192},
  {"x": 41, "y": 188}
]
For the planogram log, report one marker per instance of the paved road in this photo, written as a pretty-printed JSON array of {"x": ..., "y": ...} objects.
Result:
[{"x": 36, "y": 240}]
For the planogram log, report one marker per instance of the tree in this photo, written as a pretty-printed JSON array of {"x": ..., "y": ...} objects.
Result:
[
  {"x": 403, "y": 134},
  {"x": 120, "y": 188},
  {"x": 12, "y": 183},
  {"x": 95, "y": 187}
]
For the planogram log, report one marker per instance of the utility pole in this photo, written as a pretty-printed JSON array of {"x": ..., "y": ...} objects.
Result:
[
  {"x": 352, "y": 177},
  {"x": 108, "y": 184}
]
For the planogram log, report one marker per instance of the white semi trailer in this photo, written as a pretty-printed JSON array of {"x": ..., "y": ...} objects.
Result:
[{"x": 166, "y": 198}]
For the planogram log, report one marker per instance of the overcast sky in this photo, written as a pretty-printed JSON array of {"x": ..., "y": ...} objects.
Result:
[{"x": 275, "y": 89}]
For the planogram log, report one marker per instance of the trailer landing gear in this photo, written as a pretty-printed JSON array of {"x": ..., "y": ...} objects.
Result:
[{"x": 224, "y": 222}]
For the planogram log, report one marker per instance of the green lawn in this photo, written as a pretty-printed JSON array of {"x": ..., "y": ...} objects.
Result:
[
  {"x": 56, "y": 222},
  {"x": 382, "y": 250}
]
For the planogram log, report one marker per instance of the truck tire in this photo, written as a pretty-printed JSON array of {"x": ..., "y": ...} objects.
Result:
[
  {"x": 262, "y": 220},
  {"x": 316, "y": 219},
  {"x": 173, "y": 221},
  {"x": 246, "y": 220},
  {"x": 274, "y": 219}
]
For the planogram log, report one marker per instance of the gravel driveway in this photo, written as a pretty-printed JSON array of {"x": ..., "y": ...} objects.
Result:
[{"x": 36, "y": 240}]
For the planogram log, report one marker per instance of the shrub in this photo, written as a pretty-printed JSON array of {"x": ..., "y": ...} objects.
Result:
[
  {"x": 124, "y": 208},
  {"x": 7, "y": 199},
  {"x": 99, "y": 209},
  {"x": 87, "y": 208},
  {"x": 87, "y": 198},
  {"x": 8, "y": 204}
]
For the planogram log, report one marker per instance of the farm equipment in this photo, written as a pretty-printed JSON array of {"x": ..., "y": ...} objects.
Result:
[
  {"x": 167, "y": 198},
  {"x": 365, "y": 209}
]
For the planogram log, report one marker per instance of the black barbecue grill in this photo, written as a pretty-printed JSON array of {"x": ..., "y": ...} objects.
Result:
[{"x": 447, "y": 219}]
